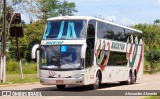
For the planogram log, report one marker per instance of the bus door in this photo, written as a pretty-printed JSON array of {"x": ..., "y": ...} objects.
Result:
[
  {"x": 89, "y": 58},
  {"x": 90, "y": 43}
]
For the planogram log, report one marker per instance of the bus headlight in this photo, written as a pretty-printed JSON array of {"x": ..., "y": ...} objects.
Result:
[{"x": 77, "y": 76}]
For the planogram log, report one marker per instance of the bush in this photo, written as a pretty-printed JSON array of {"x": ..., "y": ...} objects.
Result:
[
  {"x": 153, "y": 57},
  {"x": 12, "y": 67}
]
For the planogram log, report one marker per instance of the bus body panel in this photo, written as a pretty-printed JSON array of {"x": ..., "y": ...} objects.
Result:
[{"x": 53, "y": 77}]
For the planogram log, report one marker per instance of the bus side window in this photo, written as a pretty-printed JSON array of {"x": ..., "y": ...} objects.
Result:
[{"x": 90, "y": 30}]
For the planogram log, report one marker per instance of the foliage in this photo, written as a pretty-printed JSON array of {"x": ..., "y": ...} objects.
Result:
[
  {"x": 34, "y": 31},
  {"x": 14, "y": 68},
  {"x": 151, "y": 97},
  {"x": 43, "y": 9},
  {"x": 16, "y": 78},
  {"x": 32, "y": 35},
  {"x": 51, "y": 8},
  {"x": 153, "y": 56},
  {"x": 151, "y": 35},
  {"x": 66, "y": 8}
]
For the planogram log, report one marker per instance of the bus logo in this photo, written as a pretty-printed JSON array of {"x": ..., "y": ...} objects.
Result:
[
  {"x": 63, "y": 48},
  {"x": 118, "y": 46},
  {"x": 54, "y": 42}
]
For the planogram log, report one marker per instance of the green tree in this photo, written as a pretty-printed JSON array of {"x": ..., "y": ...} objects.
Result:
[
  {"x": 33, "y": 32},
  {"x": 52, "y": 8},
  {"x": 32, "y": 35},
  {"x": 157, "y": 22},
  {"x": 151, "y": 34},
  {"x": 153, "y": 56},
  {"x": 66, "y": 8},
  {"x": 43, "y": 9}
]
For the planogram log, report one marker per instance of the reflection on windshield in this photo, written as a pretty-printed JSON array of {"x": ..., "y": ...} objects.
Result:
[
  {"x": 65, "y": 29},
  {"x": 61, "y": 57}
]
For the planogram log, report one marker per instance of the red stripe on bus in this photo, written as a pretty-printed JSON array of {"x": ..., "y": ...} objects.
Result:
[{"x": 140, "y": 60}]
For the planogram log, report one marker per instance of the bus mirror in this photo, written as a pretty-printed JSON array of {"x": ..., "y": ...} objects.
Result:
[
  {"x": 83, "y": 50},
  {"x": 34, "y": 51}
]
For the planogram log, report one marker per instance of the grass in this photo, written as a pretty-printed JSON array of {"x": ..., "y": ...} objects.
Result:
[
  {"x": 16, "y": 78},
  {"x": 151, "y": 97},
  {"x": 12, "y": 67},
  {"x": 151, "y": 72},
  {"x": 13, "y": 72}
]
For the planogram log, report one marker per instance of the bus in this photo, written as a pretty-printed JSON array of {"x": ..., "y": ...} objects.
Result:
[{"x": 81, "y": 50}]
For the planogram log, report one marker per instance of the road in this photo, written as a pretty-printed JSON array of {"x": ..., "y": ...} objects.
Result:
[{"x": 148, "y": 82}]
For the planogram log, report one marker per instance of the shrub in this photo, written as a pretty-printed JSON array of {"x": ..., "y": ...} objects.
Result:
[{"x": 13, "y": 67}]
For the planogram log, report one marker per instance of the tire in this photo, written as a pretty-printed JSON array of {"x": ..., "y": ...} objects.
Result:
[
  {"x": 97, "y": 83},
  {"x": 135, "y": 77},
  {"x": 60, "y": 86}
]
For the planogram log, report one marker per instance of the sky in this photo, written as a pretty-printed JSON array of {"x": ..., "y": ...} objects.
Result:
[{"x": 125, "y": 12}]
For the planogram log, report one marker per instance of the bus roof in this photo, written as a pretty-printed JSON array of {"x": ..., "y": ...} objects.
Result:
[{"x": 89, "y": 18}]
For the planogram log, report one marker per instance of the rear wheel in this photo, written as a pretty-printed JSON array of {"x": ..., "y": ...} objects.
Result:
[
  {"x": 60, "y": 86},
  {"x": 97, "y": 82},
  {"x": 130, "y": 80},
  {"x": 134, "y": 77}
]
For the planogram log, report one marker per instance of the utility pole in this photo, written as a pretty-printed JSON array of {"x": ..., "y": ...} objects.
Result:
[
  {"x": 3, "y": 50},
  {"x": 17, "y": 31}
]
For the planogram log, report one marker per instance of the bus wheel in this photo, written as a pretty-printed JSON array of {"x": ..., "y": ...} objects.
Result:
[
  {"x": 60, "y": 86},
  {"x": 129, "y": 81},
  {"x": 97, "y": 82},
  {"x": 134, "y": 77}
]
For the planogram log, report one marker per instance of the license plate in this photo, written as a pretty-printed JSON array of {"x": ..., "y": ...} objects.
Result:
[{"x": 59, "y": 81}]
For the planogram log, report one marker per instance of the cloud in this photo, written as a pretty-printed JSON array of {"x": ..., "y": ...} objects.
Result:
[
  {"x": 125, "y": 21},
  {"x": 157, "y": 3},
  {"x": 110, "y": 18}
]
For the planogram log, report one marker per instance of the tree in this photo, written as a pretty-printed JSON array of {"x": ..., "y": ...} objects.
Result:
[
  {"x": 151, "y": 34},
  {"x": 33, "y": 32},
  {"x": 43, "y": 9},
  {"x": 52, "y": 8},
  {"x": 153, "y": 56},
  {"x": 66, "y": 8},
  {"x": 157, "y": 22},
  {"x": 32, "y": 35}
]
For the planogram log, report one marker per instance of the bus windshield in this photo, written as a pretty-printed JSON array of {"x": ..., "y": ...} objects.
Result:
[
  {"x": 61, "y": 57},
  {"x": 65, "y": 29}
]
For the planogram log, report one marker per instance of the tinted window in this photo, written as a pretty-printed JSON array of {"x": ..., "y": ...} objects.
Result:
[
  {"x": 101, "y": 30},
  {"x": 117, "y": 59},
  {"x": 65, "y": 29},
  {"x": 61, "y": 57},
  {"x": 111, "y": 32},
  {"x": 91, "y": 28}
]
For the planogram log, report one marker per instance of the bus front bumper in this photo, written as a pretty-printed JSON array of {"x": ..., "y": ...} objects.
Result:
[{"x": 61, "y": 81}]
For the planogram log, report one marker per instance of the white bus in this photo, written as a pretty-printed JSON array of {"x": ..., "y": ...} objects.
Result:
[{"x": 80, "y": 50}]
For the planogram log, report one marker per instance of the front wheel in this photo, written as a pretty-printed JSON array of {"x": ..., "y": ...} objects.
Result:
[
  {"x": 97, "y": 82},
  {"x": 60, "y": 86}
]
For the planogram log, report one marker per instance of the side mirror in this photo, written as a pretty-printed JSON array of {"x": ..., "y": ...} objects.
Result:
[{"x": 34, "y": 51}]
